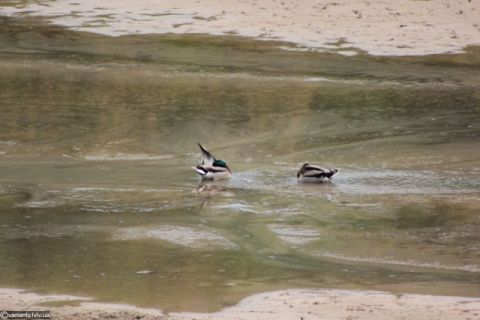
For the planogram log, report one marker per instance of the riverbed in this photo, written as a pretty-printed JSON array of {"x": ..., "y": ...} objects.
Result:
[{"x": 98, "y": 198}]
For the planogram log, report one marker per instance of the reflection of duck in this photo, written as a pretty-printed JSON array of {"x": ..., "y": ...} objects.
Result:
[
  {"x": 208, "y": 189},
  {"x": 211, "y": 188},
  {"x": 312, "y": 173},
  {"x": 211, "y": 168}
]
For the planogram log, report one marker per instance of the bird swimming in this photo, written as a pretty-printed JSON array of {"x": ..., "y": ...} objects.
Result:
[
  {"x": 313, "y": 173},
  {"x": 211, "y": 168}
]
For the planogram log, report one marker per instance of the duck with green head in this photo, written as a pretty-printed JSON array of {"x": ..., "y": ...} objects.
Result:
[{"x": 211, "y": 168}]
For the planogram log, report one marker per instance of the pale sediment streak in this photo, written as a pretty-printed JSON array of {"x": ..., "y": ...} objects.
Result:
[
  {"x": 38, "y": 204},
  {"x": 178, "y": 235},
  {"x": 8, "y": 142},
  {"x": 409, "y": 263},
  {"x": 126, "y": 157},
  {"x": 111, "y": 189},
  {"x": 167, "y": 73},
  {"x": 294, "y": 235}
]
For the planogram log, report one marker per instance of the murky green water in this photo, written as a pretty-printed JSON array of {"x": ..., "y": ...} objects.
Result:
[{"x": 98, "y": 135}]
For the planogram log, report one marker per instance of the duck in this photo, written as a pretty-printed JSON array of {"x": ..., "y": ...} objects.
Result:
[
  {"x": 211, "y": 168},
  {"x": 314, "y": 173}
]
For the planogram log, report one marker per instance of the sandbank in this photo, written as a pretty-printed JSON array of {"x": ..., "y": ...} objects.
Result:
[
  {"x": 386, "y": 28},
  {"x": 284, "y": 304}
]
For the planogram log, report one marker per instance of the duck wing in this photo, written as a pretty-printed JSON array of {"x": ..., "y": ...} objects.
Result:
[
  {"x": 312, "y": 171},
  {"x": 204, "y": 169},
  {"x": 207, "y": 157}
]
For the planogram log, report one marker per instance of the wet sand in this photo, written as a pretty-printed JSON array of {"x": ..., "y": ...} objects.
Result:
[
  {"x": 286, "y": 304},
  {"x": 387, "y": 28}
]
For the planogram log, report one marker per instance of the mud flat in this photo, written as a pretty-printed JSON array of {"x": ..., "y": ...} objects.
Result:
[
  {"x": 389, "y": 28},
  {"x": 285, "y": 304}
]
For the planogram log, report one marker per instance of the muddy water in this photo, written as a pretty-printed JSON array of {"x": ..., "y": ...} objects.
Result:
[{"x": 98, "y": 198}]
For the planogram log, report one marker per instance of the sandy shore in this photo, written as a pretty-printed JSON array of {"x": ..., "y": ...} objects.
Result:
[
  {"x": 286, "y": 304},
  {"x": 388, "y": 27}
]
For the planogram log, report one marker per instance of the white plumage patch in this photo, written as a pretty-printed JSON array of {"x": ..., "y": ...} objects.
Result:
[{"x": 312, "y": 173}]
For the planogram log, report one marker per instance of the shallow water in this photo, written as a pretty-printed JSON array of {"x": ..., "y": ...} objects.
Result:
[{"x": 98, "y": 198}]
